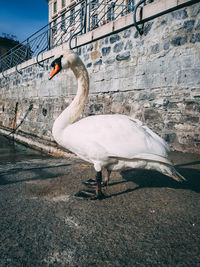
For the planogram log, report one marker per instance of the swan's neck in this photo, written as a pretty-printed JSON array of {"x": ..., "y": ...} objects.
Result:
[{"x": 74, "y": 110}]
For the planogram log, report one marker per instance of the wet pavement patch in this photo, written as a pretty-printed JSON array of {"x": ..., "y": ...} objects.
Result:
[{"x": 146, "y": 219}]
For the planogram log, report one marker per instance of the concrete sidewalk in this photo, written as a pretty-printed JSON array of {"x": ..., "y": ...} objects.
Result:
[{"x": 147, "y": 219}]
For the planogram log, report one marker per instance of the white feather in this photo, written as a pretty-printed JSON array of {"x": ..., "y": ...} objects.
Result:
[{"x": 114, "y": 142}]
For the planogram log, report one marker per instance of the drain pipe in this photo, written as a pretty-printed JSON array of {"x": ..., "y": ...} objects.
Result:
[
  {"x": 15, "y": 118},
  {"x": 15, "y": 126}
]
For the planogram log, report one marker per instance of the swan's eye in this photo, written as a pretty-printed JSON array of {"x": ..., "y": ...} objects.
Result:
[{"x": 53, "y": 64}]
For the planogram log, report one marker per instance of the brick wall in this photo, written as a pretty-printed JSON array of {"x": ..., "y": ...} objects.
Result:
[{"x": 154, "y": 77}]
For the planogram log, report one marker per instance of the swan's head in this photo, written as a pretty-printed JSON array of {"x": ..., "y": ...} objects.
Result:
[{"x": 63, "y": 61}]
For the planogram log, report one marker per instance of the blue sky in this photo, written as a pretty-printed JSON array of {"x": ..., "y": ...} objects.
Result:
[{"x": 22, "y": 17}]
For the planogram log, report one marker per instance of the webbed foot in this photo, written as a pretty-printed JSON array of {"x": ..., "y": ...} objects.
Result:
[
  {"x": 90, "y": 195},
  {"x": 92, "y": 183}
]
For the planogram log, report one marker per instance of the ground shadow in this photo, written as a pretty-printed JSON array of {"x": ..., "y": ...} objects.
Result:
[
  {"x": 153, "y": 179},
  {"x": 39, "y": 173},
  {"x": 144, "y": 179},
  {"x": 188, "y": 164}
]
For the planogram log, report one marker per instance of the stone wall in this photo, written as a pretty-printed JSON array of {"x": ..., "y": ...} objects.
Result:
[{"x": 154, "y": 77}]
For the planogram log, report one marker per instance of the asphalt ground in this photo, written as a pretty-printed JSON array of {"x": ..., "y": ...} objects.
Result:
[{"x": 147, "y": 219}]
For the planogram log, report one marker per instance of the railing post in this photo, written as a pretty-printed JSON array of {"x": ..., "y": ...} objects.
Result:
[
  {"x": 1, "y": 65},
  {"x": 89, "y": 6},
  {"x": 49, "y": 36},
  {"x": 85, "y": 17},
  {"x": 27, "y": 50},
  {"x": 11, "y": 58},
  {"x": 112, "y": 11}
]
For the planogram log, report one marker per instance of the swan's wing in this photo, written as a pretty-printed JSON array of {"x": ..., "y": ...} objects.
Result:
[
  {"x": 112, "y": 136},
  {"x": 147, "y": 157}
]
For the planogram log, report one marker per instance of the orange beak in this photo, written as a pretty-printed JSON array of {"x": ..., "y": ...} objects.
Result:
[{"x": 54, "y": 71}]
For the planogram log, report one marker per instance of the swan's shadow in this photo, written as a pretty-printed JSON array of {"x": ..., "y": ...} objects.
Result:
[{"x": 153, "y": 179}]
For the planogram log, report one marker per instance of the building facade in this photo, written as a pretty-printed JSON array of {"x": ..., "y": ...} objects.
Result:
[{"x": 66, "y": 17}]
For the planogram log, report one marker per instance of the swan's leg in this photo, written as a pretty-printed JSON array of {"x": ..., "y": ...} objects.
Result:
[
  {"x": 99, "y": 193},
  {"x": 92, "y": 183},
  {"x": 107, "y": 177}
]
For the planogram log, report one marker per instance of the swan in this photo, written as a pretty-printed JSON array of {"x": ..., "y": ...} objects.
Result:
[{"x": 113, "y": 142}]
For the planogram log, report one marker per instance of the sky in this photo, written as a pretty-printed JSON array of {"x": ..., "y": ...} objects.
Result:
[{"x": 22, "y": 18}]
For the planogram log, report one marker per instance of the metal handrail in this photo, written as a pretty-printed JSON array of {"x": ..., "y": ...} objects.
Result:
[
  {"x": 74, "y": 21},
  {"x": 140, "y": 30}
]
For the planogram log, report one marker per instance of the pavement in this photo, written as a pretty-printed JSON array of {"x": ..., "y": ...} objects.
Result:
[{"x": 147, "y": 219}]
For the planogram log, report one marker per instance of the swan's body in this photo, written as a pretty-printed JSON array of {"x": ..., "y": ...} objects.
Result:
[
  {"x": 114, "y": 142},
  {"x": 104, "y": 140}
]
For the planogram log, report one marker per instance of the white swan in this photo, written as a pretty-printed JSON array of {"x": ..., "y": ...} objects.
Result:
[{"x": 113, "y": 142}]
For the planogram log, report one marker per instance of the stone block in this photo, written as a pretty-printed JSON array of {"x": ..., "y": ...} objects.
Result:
[
  {"x": 197, "y": 27},
  {"x": 118, "y": 47},
  {"x": 96, "y": 108},
  {"x": 195, "y": 38},
  {"x": 110, "y": 60},
  {"x": 195, "y": 10},
  {"x": 147, "y": 28},
  {"x": 155, "y": 48},
  {"x": 106, "y": 51},
  {"x": 169, "y": 137},
  {"x": 98, "y": 62},
  {"x": 166, "y": 46},
  {"x": 178, "y": 41},
  {"x": 90, "y": 47},
  {"x": 127, "y": 33},
  {"x": 95, "y": 55},
  {"x": 161, "y": 102},
  {"x": 123, "y": 56},
  {"x": 89, "y": 65},
  {"x": 86, "y": 57},
  {"x": 128, "y": 45},
  {"x": 114, "y": 38},
  {"x": 189, "y": 77},
  {"x": 188, "y": 25},
  {"x": 179, "y": 14}
]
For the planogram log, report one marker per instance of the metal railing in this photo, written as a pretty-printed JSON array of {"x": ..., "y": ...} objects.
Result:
[
  {"x": 101, "y": 12},
  {"x": 76, "y": 20}
]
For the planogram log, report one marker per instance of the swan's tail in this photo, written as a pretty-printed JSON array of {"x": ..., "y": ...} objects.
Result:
[
  {"x": 171, "y": 172},
  {"x": 162, "y": 165},
  {"x": 177, "y": 176},
  {"x": 150, "y": 162}
]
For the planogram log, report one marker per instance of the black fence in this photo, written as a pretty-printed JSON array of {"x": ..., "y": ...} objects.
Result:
[{"x": 76, "y": 20}]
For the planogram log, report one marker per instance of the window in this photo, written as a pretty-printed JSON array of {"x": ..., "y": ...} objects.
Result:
[
  {"x": 82, "y": 14},
  {"x": 55, "y": 7},
  {"x": 130, "y": 4},
  {"x": 95, "y": 21},
  {"x": 63, "y": 3},
  {"x": 54, "y": 28},
  {"x": 94, "y": 4},
  {"x": 63, "y": 22},
  {"x": 110, "y": 14},
  {"x": 72, "y": 17}
]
